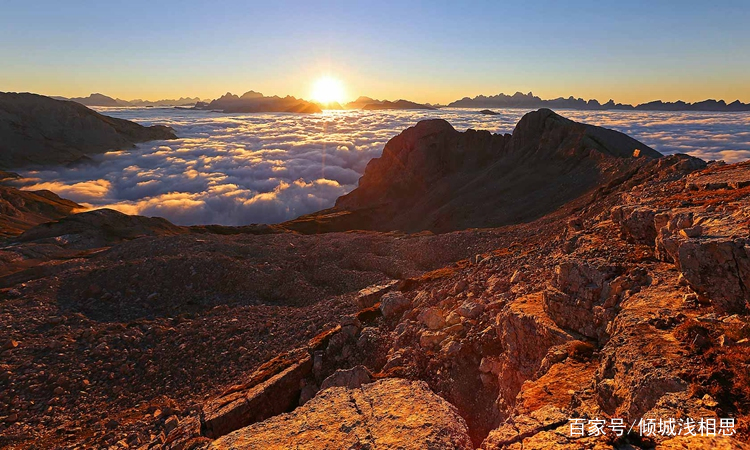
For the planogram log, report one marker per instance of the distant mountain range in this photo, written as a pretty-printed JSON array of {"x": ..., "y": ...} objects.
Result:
[
  {"x": 374, "y": 104},
  {"x": 531, "y": 101},
  {"x": 250, "y": 101},
  {"x": 253, "y": 101},
  {"x": 103, "y": 100}
]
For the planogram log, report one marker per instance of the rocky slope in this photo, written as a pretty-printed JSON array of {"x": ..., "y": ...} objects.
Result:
[
  {"x": 627, "y": 301},
  {"x": 38, "y": 130},
  {"x": 21, "y": 210}
]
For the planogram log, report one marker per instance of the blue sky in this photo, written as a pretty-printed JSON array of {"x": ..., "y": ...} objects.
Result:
[{"x": 424, "y": 51}]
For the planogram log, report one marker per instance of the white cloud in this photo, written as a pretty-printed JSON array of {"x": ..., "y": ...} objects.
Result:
[{"x": 267, "y": 168}]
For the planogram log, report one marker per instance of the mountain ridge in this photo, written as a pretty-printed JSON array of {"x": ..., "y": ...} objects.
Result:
[
  {"x": 517, "y": 100},
  {"x": 432, "y": 177},
  {"x": 520, "y": 100},
  {"x": 97, "y": 99},
  {"x": 253, "y": 102},
  {"x": 39, "y": 130}
]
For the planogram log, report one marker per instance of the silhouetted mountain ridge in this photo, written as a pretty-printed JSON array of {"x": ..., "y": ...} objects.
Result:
[
  {"x": 368, "y": 103},
  {"x": 520, "y": 100},
  {"x": 104, "y": 100},
  {"x": 253, "y": 102}
]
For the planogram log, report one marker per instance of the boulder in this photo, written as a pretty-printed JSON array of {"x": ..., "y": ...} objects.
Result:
[
  {"x": 393, "y": 303},
  {"x": 470, "y": 310},
  {"x": 636, "y": 223},
  {"x": 349, "y": 378},
  {"x": 370, "y": 295},
  {"x": 255, "y": 403},
  {"x": 432, "y": 318},
  {"x": 430, "y": 339}
]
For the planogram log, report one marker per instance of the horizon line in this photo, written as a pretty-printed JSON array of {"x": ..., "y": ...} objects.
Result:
[{"x": 530, "y": 93}]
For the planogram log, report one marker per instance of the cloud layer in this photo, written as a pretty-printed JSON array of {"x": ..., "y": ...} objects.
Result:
[{"x": 266, "y": 168}]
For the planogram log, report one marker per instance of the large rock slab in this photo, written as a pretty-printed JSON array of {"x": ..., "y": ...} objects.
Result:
[
  {"x": 370, "y": 295},
  {"x": 273, "y": 396},
  {"x": 388, "y": 414}
]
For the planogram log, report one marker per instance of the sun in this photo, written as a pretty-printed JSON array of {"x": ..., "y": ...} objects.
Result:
[{"x": 328, "y": 90}]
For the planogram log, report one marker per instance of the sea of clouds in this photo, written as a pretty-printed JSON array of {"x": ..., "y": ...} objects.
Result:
[{"x": 237, "y": 169}]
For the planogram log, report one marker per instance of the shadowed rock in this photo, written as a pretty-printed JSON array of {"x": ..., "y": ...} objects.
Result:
[
  {"x": 432, "y": 177},
  {"x": 99, "y": 228},
  {"x": 21, "y": 210},
  {"x": 38, "y": 130}
]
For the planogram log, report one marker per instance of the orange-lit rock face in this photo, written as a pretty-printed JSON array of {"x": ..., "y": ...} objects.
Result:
[{"x": 389, "y": 413}]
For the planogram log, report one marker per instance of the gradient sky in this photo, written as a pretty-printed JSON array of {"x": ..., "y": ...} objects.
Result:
[{"x": 433, "y": 51}]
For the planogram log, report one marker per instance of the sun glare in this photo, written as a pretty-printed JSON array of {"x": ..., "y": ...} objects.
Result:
[{"x": 328, "y": 90}]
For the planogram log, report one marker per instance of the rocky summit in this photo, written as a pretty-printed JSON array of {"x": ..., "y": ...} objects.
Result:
[
  {"x": 565, "y": 286},
  {"x": 432, "y": 177}
]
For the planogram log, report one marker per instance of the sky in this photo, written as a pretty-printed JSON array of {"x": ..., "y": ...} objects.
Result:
[{"x": 433, "y": 51}]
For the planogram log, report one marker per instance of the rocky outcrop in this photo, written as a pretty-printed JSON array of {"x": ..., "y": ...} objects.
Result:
[
  {"x": 21, "y": 210},
  {"x": 390, "y": 413},
  {"x": 349, "y": 378},
  {"x": 370, "y": 295},
  {"x": 584, "y": 295},
  {"x": 708, "y": 246},
  {"x": 434, "y": 177},
  {"x": 718, "y": 269},
  {"x": 526, "y": 334},
  {"x": 636, "y": 224},
  {"x": 38, "y": 130},
  {"x": 99, "y": 228}
]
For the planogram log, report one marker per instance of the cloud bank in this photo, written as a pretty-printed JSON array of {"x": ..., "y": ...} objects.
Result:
[{"x": 239, "y": 169}]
